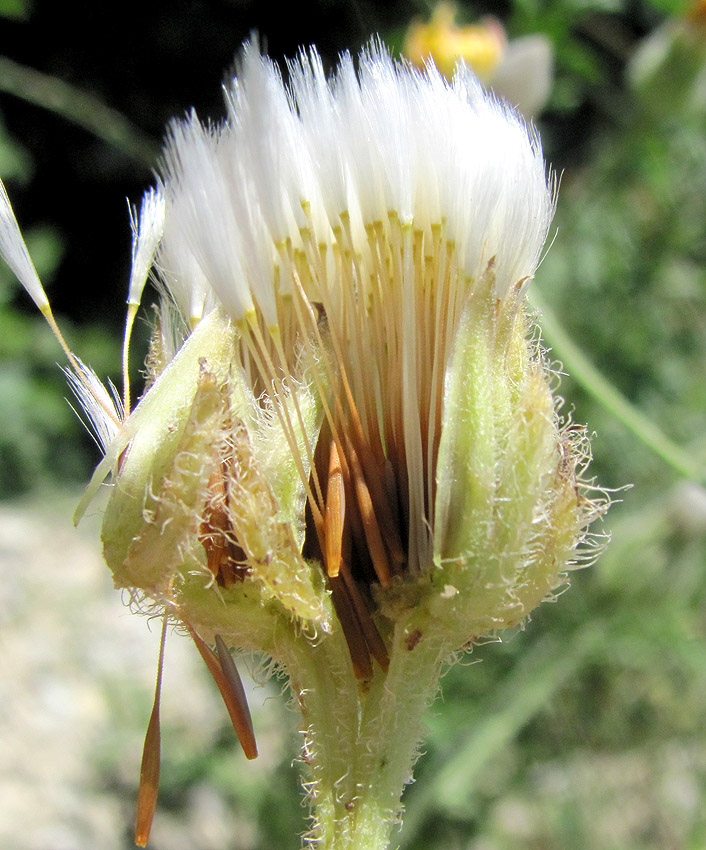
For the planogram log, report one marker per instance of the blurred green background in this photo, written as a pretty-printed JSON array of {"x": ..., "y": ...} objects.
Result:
[{"x": 584, "y": 731}]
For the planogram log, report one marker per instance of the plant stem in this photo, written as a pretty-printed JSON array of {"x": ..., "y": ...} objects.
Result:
[{"x": 361, "y": 740}]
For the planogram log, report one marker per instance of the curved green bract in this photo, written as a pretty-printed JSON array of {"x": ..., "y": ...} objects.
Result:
[
  {"x": 146, "y": 445},
  {"x": 508, "y": 512}
]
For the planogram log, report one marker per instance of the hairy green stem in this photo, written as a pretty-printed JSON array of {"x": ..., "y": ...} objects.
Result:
[{"x": 361, "y": 740}]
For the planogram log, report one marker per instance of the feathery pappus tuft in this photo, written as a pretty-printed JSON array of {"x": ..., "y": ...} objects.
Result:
[
  {"x": 103, "y": 408},
  {"x": 15, "y": 253}
]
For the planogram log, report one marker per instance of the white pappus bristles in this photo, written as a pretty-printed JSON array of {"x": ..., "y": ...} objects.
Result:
[
  {"x": 199, "y": 209},
  {"x": 378, "y": 197},
  {"x": 385, "y": 139},
  {"x": 103, "y": 409},
  {"x": 147, "y": 232},
  {"x": 15, "y": 253},
  {"x": 187, "y": 284},
  {"x": 147, "y": 229}
]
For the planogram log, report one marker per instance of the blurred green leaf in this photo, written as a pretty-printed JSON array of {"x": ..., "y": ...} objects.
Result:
[
  {"x": 77, "y": 106},
  {"x": 17, "y": 9},
  {"x": 671, "y": 7}
]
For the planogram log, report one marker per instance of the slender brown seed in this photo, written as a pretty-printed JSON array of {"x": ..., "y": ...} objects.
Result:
[
  {"x": 375, "y": 643},
  {"x": 352, "y": 630},
  {"x": 212, "y": 532},
  {"x": 376, "y": 488},
  {"x": 353, "y": 525},
  {"x": 235, "y": 702},
  {"x": 376, "y": 547},
  {"x": 335, "y": 512},
  {"x": 227, "y": 574},
  {"x": 392, "y": 499},
  {"x": 151, "y": 758},
  {"x": 224, "y": 556},
  {"x": 230, "y": 671}
]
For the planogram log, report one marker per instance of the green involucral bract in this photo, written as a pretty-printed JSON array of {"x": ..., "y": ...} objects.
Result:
[
  {"x": 508, "y": 513},
  {"x": 145, "y": 451},
  {"x": 199, "y": 410},
  {"x": 266, "y": 504}
]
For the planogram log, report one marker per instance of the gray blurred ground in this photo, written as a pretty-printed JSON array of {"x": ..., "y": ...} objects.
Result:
[{"x": 76, "y": 683}]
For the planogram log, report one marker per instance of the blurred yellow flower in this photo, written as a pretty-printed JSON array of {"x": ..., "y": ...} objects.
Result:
[
  {"x": 519, "y": 70},
  {"x": 482, "y": 45}
]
